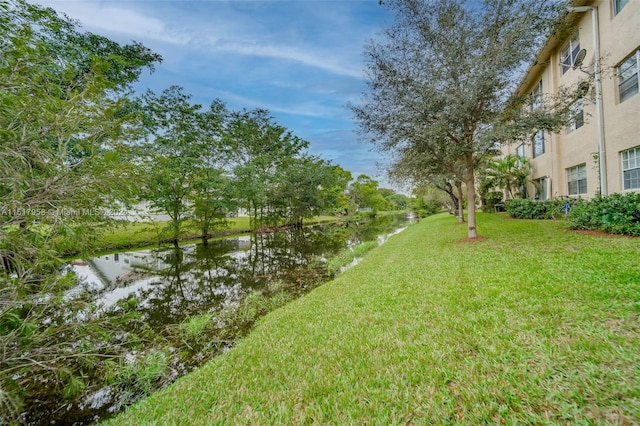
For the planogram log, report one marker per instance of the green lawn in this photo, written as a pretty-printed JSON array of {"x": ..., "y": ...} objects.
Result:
[{"x": 532, "y": 325}]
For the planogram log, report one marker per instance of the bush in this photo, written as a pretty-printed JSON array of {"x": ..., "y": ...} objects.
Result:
[
  {"x": 615, "y": 214},
  {"x": 532, "y": 209},
  {"x": 430, "y": 207},
  {"x": 491, "y": 200}
]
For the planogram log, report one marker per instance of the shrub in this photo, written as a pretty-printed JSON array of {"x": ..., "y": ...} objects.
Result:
[
  {"x": 532, "y": 209},
  {"x": 430, "y": 207},
  {"x": 491, "y": 200},
  {"x": 528, "y": 209},
  {"x": 615, "y": 214}
]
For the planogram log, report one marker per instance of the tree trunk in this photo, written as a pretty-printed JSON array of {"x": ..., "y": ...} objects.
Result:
[
  {"x": 471, "y": 200},
  {"x": 460, "y": 197},
  {"x": 448, "y": 188}
]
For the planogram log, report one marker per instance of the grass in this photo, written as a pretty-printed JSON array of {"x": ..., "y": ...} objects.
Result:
[
  {"x": 348, "y": 256},
  {"x": 143, "y": 234},
  {"x": 533, "y": 324}
]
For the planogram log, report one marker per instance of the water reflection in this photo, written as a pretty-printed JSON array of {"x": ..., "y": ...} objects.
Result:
[{"x": 172, "y": 284}]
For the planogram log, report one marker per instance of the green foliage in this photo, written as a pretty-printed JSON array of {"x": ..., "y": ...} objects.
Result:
[
  {"x": 193, "y": 327},
  {"x": 261, "y": 151},
  {"x": 182, "y": 160},
  {"x": 428, "y": 208},
  {"x": 64, "y": 113},
  {"x": 527, "y": 208},
  {"x": 615, "y": 213},
  {"x": 365, "y": 194},
  {"x": 509, "y": 173},
  {"x": 306, "y": 186},
  {"x": 143, "y": 374},
  {"x": 492, "y": 199},
  {"x": 433, "y": 197}
]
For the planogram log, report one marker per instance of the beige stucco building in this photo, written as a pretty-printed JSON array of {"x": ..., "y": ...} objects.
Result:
[{"x": 567, "y": 162}]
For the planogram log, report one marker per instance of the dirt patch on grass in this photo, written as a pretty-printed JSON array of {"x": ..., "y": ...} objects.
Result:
[{"x": 470, "y": 240}]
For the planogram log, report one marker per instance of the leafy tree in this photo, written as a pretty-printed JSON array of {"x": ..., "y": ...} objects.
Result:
[
  {"x": 364, "y": 192},
  {"x": 394, "y": 200},
  {"x": 212, "y": 193},
  {"x": 343, "y": 203},
  {"x": 308, "y": 186},
  {"x": 441, "y": 78},
  {"x": 437, "y": 169},
  {"x": 261, "y": 149},
  {"x": 171, "y": 155},
  {"x": 509, "y": 173},
  {"x": 63, "y": 115},
  {"x": 429, "y": 200}
]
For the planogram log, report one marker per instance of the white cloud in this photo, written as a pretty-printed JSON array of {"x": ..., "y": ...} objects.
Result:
[
  {"x": 230, "y": 33},
  {"x": 306, "y": 109},
  {"x": 101, "y": 18},
  {"x": 327, "y": 61}
]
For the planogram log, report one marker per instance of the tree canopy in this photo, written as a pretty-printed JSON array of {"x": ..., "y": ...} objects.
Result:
[{"x": 439, "y": 82}]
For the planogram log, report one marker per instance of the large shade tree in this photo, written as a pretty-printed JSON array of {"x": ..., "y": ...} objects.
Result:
[{"x": 440, "y": 78}]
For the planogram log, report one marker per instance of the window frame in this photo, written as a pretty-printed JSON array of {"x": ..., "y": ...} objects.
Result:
[
  {"x": 627, "y": 168},
  {"x": 536, "y": 96},
  {"x": 538, "y": 139},
  {"x": 541, "y": 183},
  {"x": 576, "y": 119},
  {"x": 618, "y": 5},
  {"x": 634, "y": 60},
  {"x": 579, "y": 181},
  {"x": 572, "y": 47},
  {"x": 520, "y": 151}
]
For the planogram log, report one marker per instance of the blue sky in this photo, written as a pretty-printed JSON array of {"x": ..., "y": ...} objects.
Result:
[{"x": 302, "y": 60}]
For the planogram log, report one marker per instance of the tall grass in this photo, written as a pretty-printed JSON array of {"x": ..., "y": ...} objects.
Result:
[
  {"x": 531, "y": 325},
  {"x": 342, "y": 260}
]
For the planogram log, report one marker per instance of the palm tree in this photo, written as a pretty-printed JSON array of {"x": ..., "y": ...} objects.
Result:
[{"x": 510, "y": 173}]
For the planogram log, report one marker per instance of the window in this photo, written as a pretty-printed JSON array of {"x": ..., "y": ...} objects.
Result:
[
  {"x": 576, "y": 116},
  {"x": 520, "y": 150},
  {"x": 569, "y": 52},
  {"x": 538, "y": 144},
  {"x": 540, "y": 186},
  {"x": 631, "y": 168},
  {"x": 536, "y": 96},
  {"x": 628, "y": 76},
  {"x": 577, "y": 178},
  {"x": 618, "y": 5}
]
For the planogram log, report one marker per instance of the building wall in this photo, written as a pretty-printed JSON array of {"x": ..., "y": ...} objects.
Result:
[{"x": 619, "y": 38}]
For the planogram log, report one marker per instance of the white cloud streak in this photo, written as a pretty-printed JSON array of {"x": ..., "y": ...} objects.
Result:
[
  {"x": 100, "y": 18},
  {"x": 322, "y": 60},
  {"x": 216, "y": 37}
]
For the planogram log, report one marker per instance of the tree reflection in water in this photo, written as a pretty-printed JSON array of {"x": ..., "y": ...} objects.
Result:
[{"x": 171, "y": 284}]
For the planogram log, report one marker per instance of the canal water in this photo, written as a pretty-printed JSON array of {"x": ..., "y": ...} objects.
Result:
[
  {"x": 166, "y": 286},
  {"x": 172, "y": 284}
]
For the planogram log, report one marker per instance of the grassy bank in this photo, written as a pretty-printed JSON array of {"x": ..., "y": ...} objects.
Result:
[
  {"x": 141, "y": 234},
  {"x": 533, "y": 324}
]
